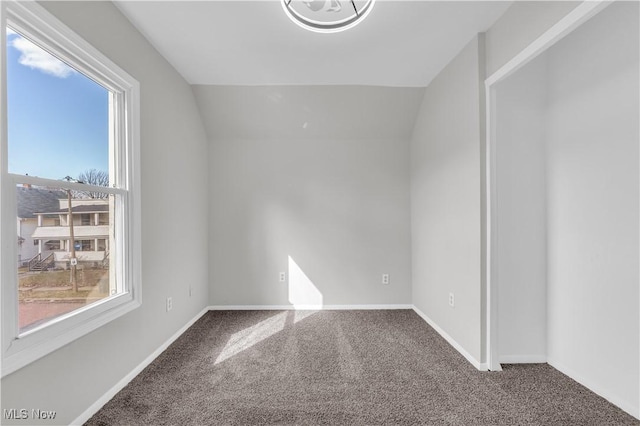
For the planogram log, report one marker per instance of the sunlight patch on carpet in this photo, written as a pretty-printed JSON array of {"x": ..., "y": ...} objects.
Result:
[
  {"x": 251, "y": 336},
  {"x": 300, "y": 315}
]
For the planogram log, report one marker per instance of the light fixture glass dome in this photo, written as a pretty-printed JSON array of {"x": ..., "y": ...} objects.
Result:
[{"x": 327, "y": 16}]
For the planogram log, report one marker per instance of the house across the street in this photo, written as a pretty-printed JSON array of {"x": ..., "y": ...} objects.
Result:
[{"x": 44, "y": 233}]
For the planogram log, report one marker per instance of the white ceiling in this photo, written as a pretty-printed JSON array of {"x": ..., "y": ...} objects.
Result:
[{"x": 400, "y": 44}]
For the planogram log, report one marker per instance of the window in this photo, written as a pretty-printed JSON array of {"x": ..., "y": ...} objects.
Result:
[
  {"x": 53, "y": 245},
  {"x": 70, "y": 151}
]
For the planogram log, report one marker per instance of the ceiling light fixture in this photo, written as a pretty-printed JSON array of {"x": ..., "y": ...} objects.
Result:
[{"x": 327, "y": 16}]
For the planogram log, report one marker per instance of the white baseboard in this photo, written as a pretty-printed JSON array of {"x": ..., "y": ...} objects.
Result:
[
  {"x": 482, "y": 366},
  {"x": 523, "y": 359},
  {"x": 249, "y": 307},
  {"x": 82, "y": 418},
  {"x": 86, "y": 415},
  {"x": 305, "y": 307},
  {"x": 515, "y": 359},
  {"x": 629, "y": 407}
]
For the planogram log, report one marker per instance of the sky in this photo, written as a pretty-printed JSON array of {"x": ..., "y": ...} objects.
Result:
[{"x": 57, "y": 118}]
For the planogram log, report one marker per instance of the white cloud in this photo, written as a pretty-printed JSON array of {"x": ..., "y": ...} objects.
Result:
[
  {"x": 36, "y": 58},
  {"x": 10, "y": 32}
]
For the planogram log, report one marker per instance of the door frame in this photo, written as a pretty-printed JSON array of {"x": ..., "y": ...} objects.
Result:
[{"x": 582, "y": 13}]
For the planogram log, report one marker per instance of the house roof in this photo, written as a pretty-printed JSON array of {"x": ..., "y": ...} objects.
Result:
[{"x": 33, "y": 200}]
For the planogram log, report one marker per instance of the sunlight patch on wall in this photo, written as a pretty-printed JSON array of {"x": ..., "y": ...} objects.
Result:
[
  {"x": 303, "y": 294},
  {"x": 249, "y": 337}
]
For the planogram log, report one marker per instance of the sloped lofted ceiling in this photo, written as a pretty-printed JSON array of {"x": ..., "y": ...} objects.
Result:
[
  {"x": 255, "y": 74},
  {"x": 400, "y": 44},
  {"x": 308, "y": 112}
]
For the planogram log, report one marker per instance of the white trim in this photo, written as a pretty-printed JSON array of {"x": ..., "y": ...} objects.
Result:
[
  {"x": 38, "y": 181},
  {"x": 96, "y": 406},
  {"x": 86, "y": 415},
  {"x": 100, "y": 402},
  {"x": 563, "y": 27},
  {"x": 594, "y": 387},
  {"x": 575, "y": 18},
  {"x": 482, "y": 366},
  {"x": 491, "y": 234},
  {"x": 32, "y": 347},
  {"x": 18, "y": 350},
  {"x": 306, "y": 307},
  {"x": 523, "y": 359},
  {"x": 27, "y": 15}
]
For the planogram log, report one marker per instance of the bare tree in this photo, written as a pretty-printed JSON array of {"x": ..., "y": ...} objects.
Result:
[{"x": 92, "y": 177}]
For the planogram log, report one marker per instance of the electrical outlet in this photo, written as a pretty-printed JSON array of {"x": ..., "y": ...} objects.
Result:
[
  {"x": 451, "y": 300},
  {"x": 283, "y": 277},
  {"x": 169, "y": 304},
  {"x": 385, "y": 278}
]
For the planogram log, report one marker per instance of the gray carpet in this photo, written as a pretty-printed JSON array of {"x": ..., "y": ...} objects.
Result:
[{"x": 341, "y": 368}]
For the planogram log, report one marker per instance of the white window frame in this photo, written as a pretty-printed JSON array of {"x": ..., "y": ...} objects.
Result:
[{"x": 18, "y": 350}]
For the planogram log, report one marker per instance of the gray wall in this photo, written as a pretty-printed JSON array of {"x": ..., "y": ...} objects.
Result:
[
  {"x": 568, "y": 196},
  {"x": 447, "y": 175},
  {"x": 593, "y": 189},
  {"x": 314, "y": 182},
  {"x": 445, "y": 200},
  {"x": 520, "y": 25},
  {"x": 520, "y": 212},
  {"x": 331, "y": 178},
  {"x": 174, "y": 172}
]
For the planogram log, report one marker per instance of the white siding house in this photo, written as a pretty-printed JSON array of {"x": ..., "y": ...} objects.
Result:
[{"x": 43, "y": 227}]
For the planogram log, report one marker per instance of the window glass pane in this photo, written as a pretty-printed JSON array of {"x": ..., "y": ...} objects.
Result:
[
  {"x": 57, "y": 118},
  {"x": 49, "y": 284}
]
